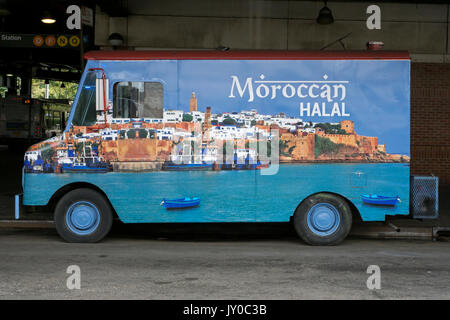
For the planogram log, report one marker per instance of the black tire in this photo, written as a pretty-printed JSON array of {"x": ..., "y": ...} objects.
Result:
[
  {"x": 339, "y": 228},
  {"x": 79, "y": 198}
]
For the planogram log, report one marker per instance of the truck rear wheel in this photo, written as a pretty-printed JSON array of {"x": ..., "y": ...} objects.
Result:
[
  {"x": 83, "y": 215},
  {"x": 323, "y": 219}
]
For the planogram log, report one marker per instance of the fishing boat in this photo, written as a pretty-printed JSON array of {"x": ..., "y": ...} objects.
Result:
[
  {"x": 170, "y": 166},
  {"x": 260, "y": 165},
  {"x": 180, "y": 203},
  {"x": 244, "y": 166},
  {"x": 379, "y": 200},
  {"x": 85, "y": 165},
  {"x": 83, "y": 168}
]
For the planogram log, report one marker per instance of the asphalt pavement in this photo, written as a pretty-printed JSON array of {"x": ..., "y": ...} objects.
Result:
[{"x": 138, "y": 265}]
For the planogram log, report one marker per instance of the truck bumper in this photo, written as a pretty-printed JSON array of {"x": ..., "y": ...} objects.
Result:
[{"x": 17, "y": 205}]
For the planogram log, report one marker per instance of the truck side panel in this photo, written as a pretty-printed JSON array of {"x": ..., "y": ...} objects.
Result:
[{"x": 338, "y": 126}]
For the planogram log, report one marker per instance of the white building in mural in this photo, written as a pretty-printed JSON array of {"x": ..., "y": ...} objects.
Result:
[
  {"x": 165, "y": 133},
  {"x": 108, "y": 134},
  {"x": 198, "y": 116},
  {"x": 33, "y": 155},
  {"x": 173, "y": 116},
  {"x": 233, "y": 132}
]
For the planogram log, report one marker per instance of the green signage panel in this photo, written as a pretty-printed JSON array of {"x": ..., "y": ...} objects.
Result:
[{"x": 14, "y": 40}]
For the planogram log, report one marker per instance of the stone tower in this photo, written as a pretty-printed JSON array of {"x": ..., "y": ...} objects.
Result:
[
  {"x": 348, "y": 126},
  {"x": 193, "y": 103},
  {"x": 207, "y": 124}
]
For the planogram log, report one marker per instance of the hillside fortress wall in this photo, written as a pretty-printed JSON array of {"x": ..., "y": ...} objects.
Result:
[{"x": 301, "y": 146}]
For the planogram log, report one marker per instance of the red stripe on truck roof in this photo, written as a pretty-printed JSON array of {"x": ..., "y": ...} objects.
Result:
[{"x": 246, "y": 55}]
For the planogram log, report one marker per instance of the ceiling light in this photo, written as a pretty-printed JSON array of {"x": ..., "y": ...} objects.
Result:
[
  {"x": 48, "y": 18},
  {"x": 325, "y": 16},
  {"x": 115, "y": 39}
]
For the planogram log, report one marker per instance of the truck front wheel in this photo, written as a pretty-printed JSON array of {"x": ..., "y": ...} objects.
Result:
[
  {"x": 83, "y": 215},
  {"x": 323, "y": 219}
]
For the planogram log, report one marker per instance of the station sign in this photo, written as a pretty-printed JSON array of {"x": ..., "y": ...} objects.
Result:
[{"x": 59, "y": 41}]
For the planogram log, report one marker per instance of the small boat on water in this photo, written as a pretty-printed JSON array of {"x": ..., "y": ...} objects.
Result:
[
  {"x": 379, "y": 200},
  {"x": 260, "y": 165},
  {"x": 83, "y": 168},
  {"x": 84, "y": 165},
  {"x": 170, "y": 166},
  {"x": 181, "y": 203}
]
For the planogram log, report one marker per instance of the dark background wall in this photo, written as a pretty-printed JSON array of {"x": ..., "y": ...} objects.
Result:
[{"x": 430, "y": 120}]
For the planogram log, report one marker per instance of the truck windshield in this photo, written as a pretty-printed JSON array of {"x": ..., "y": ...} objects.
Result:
[{"x": 85, "y": 109}]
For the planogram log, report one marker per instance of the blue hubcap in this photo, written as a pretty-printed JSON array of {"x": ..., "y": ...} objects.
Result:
[
  {"x": 323, "y": 219},
  {"x": 82, "y": 217}
]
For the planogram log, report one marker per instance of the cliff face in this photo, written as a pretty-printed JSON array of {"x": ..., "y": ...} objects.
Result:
[
  {"x": 362, "y": 143},
  {"x": 143, "y": 150},
  {"x": 367, "y": 144},
  {"x": 347, "y": 139},
  {"x": 163, "y": 150},
  {"x": 349, "y": 147},
  {"x": 109, "y": 150},
  {"x": 297, "y": 147}
]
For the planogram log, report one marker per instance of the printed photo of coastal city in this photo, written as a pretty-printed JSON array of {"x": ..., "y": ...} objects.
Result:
[
  {"x": 230, "y": 132},
  {"x": 153, "y": 144}
]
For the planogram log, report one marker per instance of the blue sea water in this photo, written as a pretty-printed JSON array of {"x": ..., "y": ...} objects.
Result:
[{"x": 234, "y": 196}]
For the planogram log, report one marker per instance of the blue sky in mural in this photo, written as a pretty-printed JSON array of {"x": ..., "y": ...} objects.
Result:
[{"x": 377, "y": 92}]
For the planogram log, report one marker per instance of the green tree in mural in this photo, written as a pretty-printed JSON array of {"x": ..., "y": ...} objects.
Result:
[
  {"x": 325, "y": 146},
  {"x": 47, "y": 153},
  {"x": 269, "y": 148},
  {"x": 187, "y": 117},
  {"x": 79, "y": 147},
  {"x": 229, "y": 121},
  {"x": 282, "y": 145},
  {"x": 143, "y": 133},
  {"x": 131, "y": 134},
  {"x": 224, "y": 148},
  {"x": 330, "y": 128},
  {"x": 87, "y": 150}
]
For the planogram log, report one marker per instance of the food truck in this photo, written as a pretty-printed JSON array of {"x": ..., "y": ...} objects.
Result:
[{"x": 315, "y": 138}]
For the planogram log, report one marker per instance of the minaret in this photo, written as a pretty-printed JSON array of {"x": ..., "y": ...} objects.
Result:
[
  {"x": 207, "y": 124},
  {"x": 193, "y": 103}
]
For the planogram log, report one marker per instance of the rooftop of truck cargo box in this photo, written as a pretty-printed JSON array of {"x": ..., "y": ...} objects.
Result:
[{"x": 246, "y": 55}]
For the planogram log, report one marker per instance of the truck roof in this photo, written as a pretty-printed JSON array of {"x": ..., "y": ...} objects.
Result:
[{"x": 246, "y": 55}]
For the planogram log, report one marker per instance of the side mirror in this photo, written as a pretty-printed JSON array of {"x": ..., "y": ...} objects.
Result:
[{"x": 102, "y": 94}]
